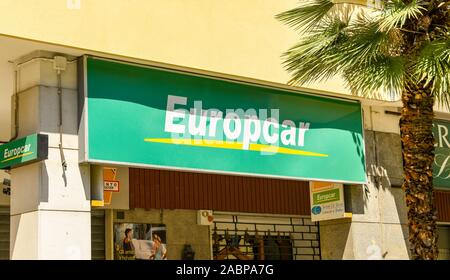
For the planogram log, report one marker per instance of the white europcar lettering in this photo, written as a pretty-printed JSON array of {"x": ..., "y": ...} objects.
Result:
[
  {"x": 16, "y": 151},
  {"x": 237, "y": 123}
]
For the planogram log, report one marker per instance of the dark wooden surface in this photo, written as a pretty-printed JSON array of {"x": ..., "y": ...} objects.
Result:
[{"x": 155, "y": 189}]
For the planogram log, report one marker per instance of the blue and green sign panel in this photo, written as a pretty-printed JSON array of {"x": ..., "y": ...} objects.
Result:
[
  {"x": 150, "y": 117},
  {"x": 24, "y": 151},
  {"x": 441, "y": 165}
]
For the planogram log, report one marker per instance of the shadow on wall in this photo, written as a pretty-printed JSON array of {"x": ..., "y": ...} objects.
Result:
[
  {"x": 57, "y": 168},
  {"x": 336, "y": 240},
  {"x": 383, "y": 193},
  {"x": 378, "y": 229},
  {"x": 389, "y": 174},
  {"x": 13, "y": 232},
  {"x": 5, "y": 189}
]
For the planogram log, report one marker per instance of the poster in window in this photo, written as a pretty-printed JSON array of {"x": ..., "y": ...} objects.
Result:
[{"x": 133, "y": 241}]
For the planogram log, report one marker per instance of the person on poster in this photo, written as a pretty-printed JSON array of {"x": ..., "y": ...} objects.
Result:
[
  {"x": 159, "y": 250},
  {"x": 127, "y": 241}
]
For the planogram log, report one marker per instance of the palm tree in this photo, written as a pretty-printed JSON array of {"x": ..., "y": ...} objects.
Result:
[{"x": 396, "y": 48}]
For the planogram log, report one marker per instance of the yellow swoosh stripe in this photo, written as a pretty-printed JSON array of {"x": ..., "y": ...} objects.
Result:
[
  {"x": 19, "y": 156},
  {"x": 233, "y": 146}
]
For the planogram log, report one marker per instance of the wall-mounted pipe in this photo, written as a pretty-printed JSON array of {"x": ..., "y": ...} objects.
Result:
[
  {"x": 15, "y": 113},
  {"x": 15, "y": 96}
]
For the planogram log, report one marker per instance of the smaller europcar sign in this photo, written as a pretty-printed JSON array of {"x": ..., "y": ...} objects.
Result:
[
  {"x": 327, "y": 201},
  {"x": 24, "y": 151}
]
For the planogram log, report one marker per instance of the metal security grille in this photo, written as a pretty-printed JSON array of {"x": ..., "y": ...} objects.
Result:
[
  {"x": 98, "y": 234},
  {"x": 247, "y": 237},
  {"x": 4, "y": 233}
]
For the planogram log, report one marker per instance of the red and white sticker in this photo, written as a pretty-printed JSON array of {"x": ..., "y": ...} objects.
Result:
[{"x": 111, "y": 186}]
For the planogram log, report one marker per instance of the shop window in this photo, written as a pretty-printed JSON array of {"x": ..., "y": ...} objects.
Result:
[
  {"x": 248, "y": 237},
  {"x": 139, "y": 241},
  {"x": 277, "y": 248}
]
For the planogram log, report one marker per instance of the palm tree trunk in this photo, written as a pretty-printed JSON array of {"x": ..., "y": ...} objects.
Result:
[{"x": 418, "y": 155}]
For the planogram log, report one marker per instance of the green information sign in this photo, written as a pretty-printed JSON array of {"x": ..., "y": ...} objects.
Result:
[
  {"x": 23, "y": 151},
  {"x": 441, "y": 166},
  {"x": 150, "y": 117},
  {"x": 326, "y": 196}
]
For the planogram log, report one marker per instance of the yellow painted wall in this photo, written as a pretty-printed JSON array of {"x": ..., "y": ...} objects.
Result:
[{"x": 238, "y": 37}]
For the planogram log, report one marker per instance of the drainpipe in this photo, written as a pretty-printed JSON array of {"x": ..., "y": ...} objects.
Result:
[
  {"x": 59, "y": 64},
  {"x": 375, "y": 151},
  {"x": 15, "y": 107}
]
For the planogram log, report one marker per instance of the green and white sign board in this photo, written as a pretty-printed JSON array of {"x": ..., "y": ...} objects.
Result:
[
  {"x": 327, "y": 201},
  {"x": 150, "y": 117},
  {"x": 441, "y": 165},
  {"x": 23, "y": 151}
]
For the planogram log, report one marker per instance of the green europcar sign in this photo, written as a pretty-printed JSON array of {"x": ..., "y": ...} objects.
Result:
[
  {"x": 441, "y": 164},
  {"x": 151, "y": 117},
  {"x": 326, "y": 196},
  {"x": 24, "y": 151}
]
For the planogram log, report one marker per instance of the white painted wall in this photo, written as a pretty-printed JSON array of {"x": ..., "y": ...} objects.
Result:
[
  {"x": 376, "y": 118},
  {"x": 50, "y": 206}
]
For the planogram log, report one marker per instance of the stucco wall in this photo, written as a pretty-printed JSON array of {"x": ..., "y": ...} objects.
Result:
[{"x": 378, "y": 228}]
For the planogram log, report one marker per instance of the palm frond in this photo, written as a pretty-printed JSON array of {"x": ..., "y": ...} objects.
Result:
[
  {"x": 378, "y": 76},
  {"x": 365, "y": 40},
  {"x": 397, "y": 12},
  {"x": 355, "y": 48},
  {"x": 433, "y": 67},
  {"x": 367, "y": 49},
  {"x": 307, "y": 15},
  {"x": 317, "y": 56}
]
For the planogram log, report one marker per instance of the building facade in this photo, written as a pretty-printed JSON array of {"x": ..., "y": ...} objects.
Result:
[{"x": 91, "y": 83}]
